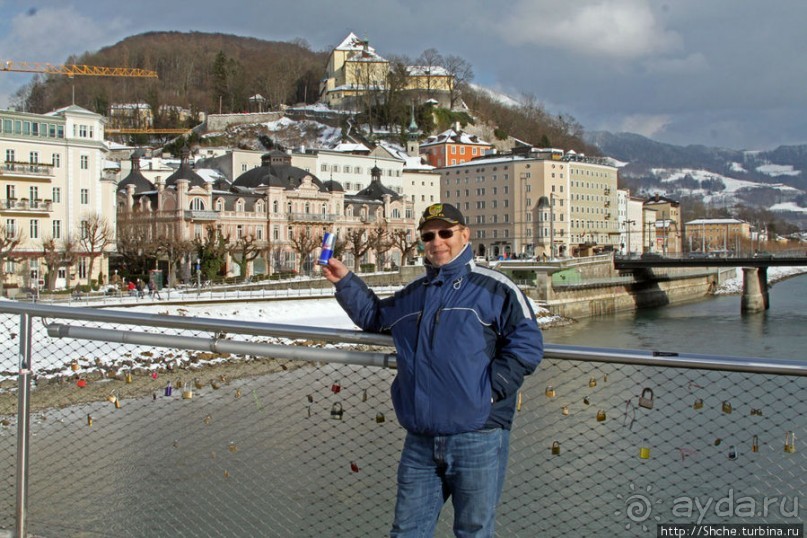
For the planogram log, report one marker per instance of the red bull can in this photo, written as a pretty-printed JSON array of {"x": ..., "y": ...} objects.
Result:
[{"x": 328, "y": 241}]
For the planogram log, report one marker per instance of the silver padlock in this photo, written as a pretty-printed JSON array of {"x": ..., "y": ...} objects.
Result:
[{"x": 646, "y": 399}]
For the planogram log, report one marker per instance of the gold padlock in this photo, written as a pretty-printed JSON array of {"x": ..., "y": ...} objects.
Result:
[
  {"x": 646, "y": 399},
  {"x": 555, "y": 448},
  {"x": 698, "y": 404},
  {"x": 128, "y": 377},
  {"x": 592, "y": 382},
  {"x": 601, "y": 415},
  {"x": 550, "y": 391},
  {"x": 564, "y": 410},
  {"x": 187, "y": 392},
  {"x": 727, "y": 407},
  {"x": 644, "y": 450},
  {"x": 790, "y": 442},
  {"x": 518, "y": 402},
  {"x": 379, "y": 417},
  {"x": 755, "y": 444},
  {"x": 336, "y": 411}
]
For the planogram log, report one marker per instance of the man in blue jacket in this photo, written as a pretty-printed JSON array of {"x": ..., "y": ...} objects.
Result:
[{"x": 465, "y": 337}]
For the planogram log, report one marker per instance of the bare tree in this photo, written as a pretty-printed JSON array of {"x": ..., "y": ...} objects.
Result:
[
  {"x": 245, "y": 250},
  {"x": 380, "y": 243},
  {"x": 174, "y": 250},
  {"x": 96, "y": 235},
  {"x": 430, "y": 61},
  {"x": 9, "y": 240},
  {"x": 56, "y": 257},
  {"x": 211, "y": 249},
  {"x": 400, "y": 240},
  {"x": 303, "y": 242},
  {"x": 358, "y": 243},
  {"x": 460, "y": 74},
  {"x": 133, "y": 241}
]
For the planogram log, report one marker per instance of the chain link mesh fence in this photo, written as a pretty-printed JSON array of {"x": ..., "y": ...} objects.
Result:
[{"x": 137, "y": 441}]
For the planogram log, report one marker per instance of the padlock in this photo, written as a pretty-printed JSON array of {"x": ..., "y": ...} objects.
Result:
[
  {"x": 790, "y": 442},
  {"x": 698, "y": 404},
  {"x": 117, "y": 402},
  {"x": 727, "y": 407},
  {"x": 74, "y": 366},
  {"x": 518, "y": 401},
  {"x": 354, "y": 466},
  {"x": 310, "y": 398},
  {"x": 112, "y": 398},
  {"x": 550, "y": 391},
  {"x": 564, "y": 410},
  {"x": 755, "y": 444},
  {"x": 379, "y": 417},
  {"x": 585, "y": 400},
  {"x": 646, "y": 399},
  {"x": 336, "y": 388},
  {"x": 364, "y": 395},
  {"x": 601, "y": 415},
  {"x": 237, "y": 393},
  {"x": 187, "y": 393},
  {"x": 81, "y": 383},
  {"x": 732, "y": 452},
  {"x": 336, "y": 411},
  {"x": 169, "y": 389},
  {"x": 89, "y": 420},
  {"x": 644, "y": 450},
  {"x": 756, "y": 412},
  {"x": 592, "y": 382},
  {"x": 555, "y": 448},
  {"x": 128, "y": 377}
]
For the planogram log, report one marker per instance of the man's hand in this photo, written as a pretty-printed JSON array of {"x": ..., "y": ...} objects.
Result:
[{"x": 335, "y": 270}]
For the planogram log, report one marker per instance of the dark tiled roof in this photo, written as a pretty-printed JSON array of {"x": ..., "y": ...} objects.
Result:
[
  {"x": 136, "y": 178},
  {"x": 276, "y": 171},
  {"x": 376, "y": 191},
  {"x": 185, "y": 172}
]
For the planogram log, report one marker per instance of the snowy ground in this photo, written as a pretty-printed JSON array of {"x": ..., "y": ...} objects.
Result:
[{"x": 735, "y": 285}]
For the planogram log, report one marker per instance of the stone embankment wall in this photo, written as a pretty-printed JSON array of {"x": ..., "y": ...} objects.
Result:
[{"x": 219, "y": 122}]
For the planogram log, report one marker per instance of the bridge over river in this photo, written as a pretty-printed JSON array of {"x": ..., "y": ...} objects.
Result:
[{"x": 755, "y": 270}]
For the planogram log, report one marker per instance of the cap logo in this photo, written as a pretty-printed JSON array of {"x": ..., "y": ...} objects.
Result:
[{"x": 435, "y": 210}]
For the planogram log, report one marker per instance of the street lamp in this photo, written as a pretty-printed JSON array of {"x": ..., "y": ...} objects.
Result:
[{"x": 628, "y": 223}]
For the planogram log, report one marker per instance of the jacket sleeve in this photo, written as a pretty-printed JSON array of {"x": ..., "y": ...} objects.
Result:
[
  {"x": 519, "y": 348},
  {"x": 360, "y": 303}
]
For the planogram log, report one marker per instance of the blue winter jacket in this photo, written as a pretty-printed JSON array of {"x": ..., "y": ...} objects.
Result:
[{"x": 465, "y": 335}]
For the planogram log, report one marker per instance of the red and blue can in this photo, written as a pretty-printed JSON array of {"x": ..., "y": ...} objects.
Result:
[{"x": 328, "y": 241}]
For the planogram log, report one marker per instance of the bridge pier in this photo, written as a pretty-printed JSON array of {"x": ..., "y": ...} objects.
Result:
[{"x": 755, "y": 290}]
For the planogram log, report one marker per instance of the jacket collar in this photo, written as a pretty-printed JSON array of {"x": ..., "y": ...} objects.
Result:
[{"x": 457, "y": 267}]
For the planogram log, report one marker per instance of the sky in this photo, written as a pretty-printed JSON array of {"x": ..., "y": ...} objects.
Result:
[{"x": 724, "y": 73}]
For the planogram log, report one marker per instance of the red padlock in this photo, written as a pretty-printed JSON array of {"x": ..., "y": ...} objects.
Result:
[
  {"x": 336, "y": 388},
  {"x": 354, "y": 467},
  {"x": 81, "y": 383}
]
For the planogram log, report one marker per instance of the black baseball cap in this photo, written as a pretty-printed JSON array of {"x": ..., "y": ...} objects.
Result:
[{"x": 445, "y": 212}]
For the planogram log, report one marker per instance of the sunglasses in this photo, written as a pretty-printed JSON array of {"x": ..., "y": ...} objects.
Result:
[{"x": 428, "y": 237}]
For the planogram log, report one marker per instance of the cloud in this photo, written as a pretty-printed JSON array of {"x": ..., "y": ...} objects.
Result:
[
  {"x": 618, "y": 29},
  {"x": 648, "y": 125}
]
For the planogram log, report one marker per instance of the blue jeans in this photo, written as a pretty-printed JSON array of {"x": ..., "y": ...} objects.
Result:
[{"x": 468, "y": 467}]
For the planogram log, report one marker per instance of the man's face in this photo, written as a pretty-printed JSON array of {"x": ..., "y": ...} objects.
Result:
[{"x": 441, "y": 250}]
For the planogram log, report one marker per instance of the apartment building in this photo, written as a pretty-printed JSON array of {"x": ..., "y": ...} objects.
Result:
[
  {"x": 718, "y": 235},
  {"x": 534, "y": 202},
  {"x": 664, "y": 235},
  {"x": 453, "y": 146},
  {"x": 53, "y": 186}
]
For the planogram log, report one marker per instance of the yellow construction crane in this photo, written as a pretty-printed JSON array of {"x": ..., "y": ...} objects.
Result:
[
  {"x": 125, "y": 130},
  {"x": 72, "y": 70}
]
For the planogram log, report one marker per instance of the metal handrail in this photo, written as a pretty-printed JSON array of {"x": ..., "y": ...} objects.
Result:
[{"x": 656, "y": 358}]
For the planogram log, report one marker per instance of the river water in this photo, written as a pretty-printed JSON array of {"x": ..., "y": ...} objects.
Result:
[{"x": 714, "y": 326}]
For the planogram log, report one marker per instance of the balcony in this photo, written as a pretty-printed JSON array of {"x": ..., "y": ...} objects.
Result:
[
  {"x": 26, "y": 170},
  {"x": 13, "y": 205},
  {"x": 201, "y": 215},
  {"x": 311, "y": 217}
]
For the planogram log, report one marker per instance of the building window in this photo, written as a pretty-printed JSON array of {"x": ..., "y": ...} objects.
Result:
[
  {"x": 259, "y": 233},
  {"x": 57, "y": 229},
  {"x": 34, "y": 228},
  {"x": 57, "y": 195},
  {"x": 11, "y": 227},
  {"x": 197, "y": 204},
  {"x": 85, "y": 196},
  {"x": 85, "y": 162},
  {"x": 276, "y": 233},
  {"x": 9, "y": 155},
  {"x": 33, "y": 193},
  {"x": 11, "y": 192},
  {"x": 239, "y": 231},
  {"x": 33, "y": 157},
  {"x": 84, "y": 229},
  {"x": 56, "y": 159},
  {"x": 82, "y": 268}
]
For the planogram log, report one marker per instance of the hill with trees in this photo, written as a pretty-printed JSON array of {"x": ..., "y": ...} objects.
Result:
[{"x": 217, "y": 73}]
